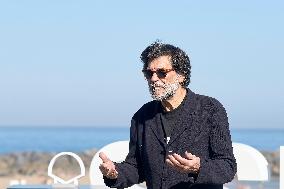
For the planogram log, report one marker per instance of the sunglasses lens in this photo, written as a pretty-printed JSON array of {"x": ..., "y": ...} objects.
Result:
[
  {"x": 148, "y": 73},
  {"x": 161, "y": 73}
]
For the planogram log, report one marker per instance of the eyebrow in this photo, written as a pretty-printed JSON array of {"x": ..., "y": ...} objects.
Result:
[{"x": 161, "y": 68}]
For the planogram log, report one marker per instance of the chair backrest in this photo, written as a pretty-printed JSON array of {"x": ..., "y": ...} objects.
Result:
[
  {"x": 251, "y": 164},
  {"x": 117, "y": 152}
]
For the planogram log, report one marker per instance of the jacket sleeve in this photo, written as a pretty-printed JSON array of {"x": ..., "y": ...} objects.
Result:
[
  {"x": 130, "y": 170},
  {"x": 221, "y": 166}
]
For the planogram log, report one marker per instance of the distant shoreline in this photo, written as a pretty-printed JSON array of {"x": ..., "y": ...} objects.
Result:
[
  {"x": 36, "y": 162},
  {"x": 31, "y": 167}
]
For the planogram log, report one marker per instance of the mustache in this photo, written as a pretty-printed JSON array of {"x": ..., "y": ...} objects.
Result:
[{"x": 157, "y": 85}]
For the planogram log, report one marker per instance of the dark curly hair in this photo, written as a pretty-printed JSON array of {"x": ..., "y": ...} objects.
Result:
[{"x": 179, "y": 59}]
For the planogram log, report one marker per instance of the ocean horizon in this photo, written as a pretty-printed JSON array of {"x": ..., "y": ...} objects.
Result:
[{"x": 77, "y": 139}]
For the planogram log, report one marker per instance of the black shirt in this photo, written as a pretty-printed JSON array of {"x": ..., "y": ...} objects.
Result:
[{"x": 170, "y": 118}]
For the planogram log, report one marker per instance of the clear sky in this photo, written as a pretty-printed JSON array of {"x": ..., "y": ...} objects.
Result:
[{"x": 76, "y": 63}]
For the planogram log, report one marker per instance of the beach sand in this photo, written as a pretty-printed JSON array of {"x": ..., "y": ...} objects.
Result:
[
  {"x": 39, "y": 180},
  {"x": 31, "y": 168},
  {"x": 34, "y": 180}
]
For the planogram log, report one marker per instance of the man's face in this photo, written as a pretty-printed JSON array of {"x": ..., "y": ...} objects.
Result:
[{"x": 163, "y": 81}]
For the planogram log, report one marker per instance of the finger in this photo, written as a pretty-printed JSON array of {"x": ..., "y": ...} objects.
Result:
[
  {"x": 102, "y": 166},
  {"x": 110, "y": 167},
  {"x": 180, "y": 159},
  {"x": 180, "y": 169},
  {"x": 104, "y": 157},
  {"x": 112, "y": 174},
  {"x": 189, "y": 155},
  {"x": 174, "y": 161},
  {"x": 170, "y": 163},
  {"x": 107, "y": 167},
  {"x": 103, "y": 170}
]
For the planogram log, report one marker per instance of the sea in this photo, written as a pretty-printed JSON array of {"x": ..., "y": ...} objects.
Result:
[{"x": 79, "y": 139}]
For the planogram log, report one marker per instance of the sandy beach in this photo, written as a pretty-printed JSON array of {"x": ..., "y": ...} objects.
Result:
[{"x": 31, "y": 168}]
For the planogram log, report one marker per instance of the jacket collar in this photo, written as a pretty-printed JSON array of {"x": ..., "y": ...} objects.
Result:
[
  {"x": 185, "y": 120},
  {"x": 188, "y": 108}
]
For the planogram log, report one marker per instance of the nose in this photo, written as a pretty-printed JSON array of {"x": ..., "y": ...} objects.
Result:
[{"x": 154, "y": 77}]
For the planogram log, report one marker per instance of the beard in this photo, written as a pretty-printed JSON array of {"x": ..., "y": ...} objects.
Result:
[{"x": 163, "y": 91}]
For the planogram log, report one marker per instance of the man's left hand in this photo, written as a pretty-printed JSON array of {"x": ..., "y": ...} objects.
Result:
[{"x": 188, "y": 164}]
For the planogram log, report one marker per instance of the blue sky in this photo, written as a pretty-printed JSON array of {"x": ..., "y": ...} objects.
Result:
[{"x": 76, "y": 63}]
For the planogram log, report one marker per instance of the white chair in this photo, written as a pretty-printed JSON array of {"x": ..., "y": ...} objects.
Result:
[
  {"x": 251, "y": 164},
  {"x": 117, "y": 152}
]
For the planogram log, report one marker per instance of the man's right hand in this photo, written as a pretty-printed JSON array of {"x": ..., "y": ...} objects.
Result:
[{"x": 107, "y": 167}]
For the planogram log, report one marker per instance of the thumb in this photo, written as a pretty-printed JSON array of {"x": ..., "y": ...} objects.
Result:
[{"x": 104, "y": 157}]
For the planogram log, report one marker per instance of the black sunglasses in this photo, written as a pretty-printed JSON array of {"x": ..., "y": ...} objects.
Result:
[{"x": 161, "y": 73}]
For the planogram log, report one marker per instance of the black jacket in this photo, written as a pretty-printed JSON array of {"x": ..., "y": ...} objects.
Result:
[{"x": 202, "y": 129}]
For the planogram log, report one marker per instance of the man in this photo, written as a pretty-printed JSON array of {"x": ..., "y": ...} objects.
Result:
[{"x": 178, "y": 140}]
